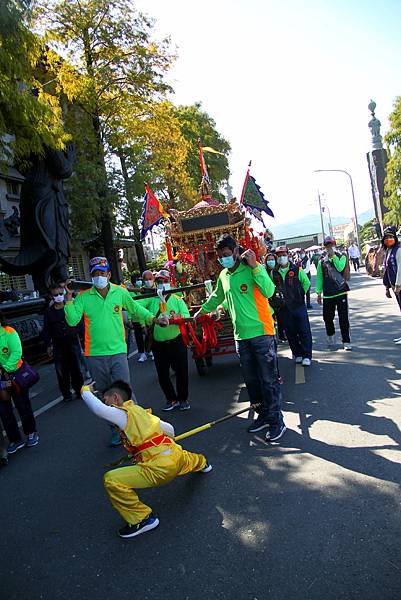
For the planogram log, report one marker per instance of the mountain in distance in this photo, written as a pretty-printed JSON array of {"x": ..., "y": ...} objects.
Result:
[{"x": 311, "y": 224}]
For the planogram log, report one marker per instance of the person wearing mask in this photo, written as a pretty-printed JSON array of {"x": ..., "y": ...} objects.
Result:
[
  {"x": 305, "y": 264},
  {"x": 148, "y": 280},
  {"x": 245, "y": 287},
  {"x": 63, "y": 345},
  {"x": 169, "y": 350},
  {"x": 293, "y": 283},
  {"x": 138, "y": 289},
  {"x": 331, "y": 281},
  {"x": 354, "y": 255},
  {"x": 10, "y": 361},
  {"x": 392, "y": 266},
  {"x": 101, "y": 307},
  {"x": 271, "y": 264}
]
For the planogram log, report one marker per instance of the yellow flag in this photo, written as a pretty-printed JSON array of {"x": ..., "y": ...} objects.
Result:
[{"x": 212, "y": 150}]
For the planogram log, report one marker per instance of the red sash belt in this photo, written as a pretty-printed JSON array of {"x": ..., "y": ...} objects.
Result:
[{"x": 156, "y": 441}]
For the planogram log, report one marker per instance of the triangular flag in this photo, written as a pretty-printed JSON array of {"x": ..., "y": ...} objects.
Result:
[
  {"x": 152, "y": 213},
  {"x": 253, "y": 198}
]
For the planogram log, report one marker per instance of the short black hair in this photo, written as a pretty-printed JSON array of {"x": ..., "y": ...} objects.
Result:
[
  {"x": 122, "y": 388},
  {"x": 55, "y": 286},
  {"x": 134, "y": 277},
  {"x": 226, "y": 241}
]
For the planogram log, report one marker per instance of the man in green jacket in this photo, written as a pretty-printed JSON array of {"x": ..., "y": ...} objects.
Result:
[
  {"x": 169, "y": 350},
  {"x": 330, "y": 281},
  {"x": 245, "y": 286},
  {"x": 101, "y": 307}
]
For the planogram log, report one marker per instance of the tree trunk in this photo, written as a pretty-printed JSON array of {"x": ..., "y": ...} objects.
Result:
[{"x": 140, "y": 254}]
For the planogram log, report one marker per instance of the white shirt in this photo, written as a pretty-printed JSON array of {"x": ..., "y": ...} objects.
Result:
[{"x": 353, "y": 252}]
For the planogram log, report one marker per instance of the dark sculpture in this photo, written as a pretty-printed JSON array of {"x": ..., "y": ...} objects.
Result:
[
  {"x": 45, "y": 238},
  {"x": 9, "y": 228}
]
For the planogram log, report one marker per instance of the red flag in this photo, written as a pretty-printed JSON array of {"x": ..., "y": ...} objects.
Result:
[{"x": 153, "y": 212}]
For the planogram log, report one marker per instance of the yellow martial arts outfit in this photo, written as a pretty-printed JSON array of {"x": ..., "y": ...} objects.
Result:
[{"x": 156, "y": 465}]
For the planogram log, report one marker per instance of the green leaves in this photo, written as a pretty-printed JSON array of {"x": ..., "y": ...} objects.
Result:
[{"x": 393, "y": 179}]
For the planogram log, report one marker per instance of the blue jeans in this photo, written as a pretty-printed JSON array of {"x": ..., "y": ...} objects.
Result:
[
  {"x": 258, "y": 358},
  {"x": 297, "y": 328}
]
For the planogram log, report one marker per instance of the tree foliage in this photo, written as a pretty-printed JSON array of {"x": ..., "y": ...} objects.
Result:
[
  {"x": 29, "y": 112},
  {"x": 196, "y": 125},
  {"x": 393, "y": 180}
]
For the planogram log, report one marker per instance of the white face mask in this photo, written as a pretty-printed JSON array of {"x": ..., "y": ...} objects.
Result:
[
  {"x": 59, "y": 298},
  {"x": 100, "y": 282},
  {"x": 148, "y": 283},
  {"x": 163, "y": 286},
  {"x": 282, "y": 261}
]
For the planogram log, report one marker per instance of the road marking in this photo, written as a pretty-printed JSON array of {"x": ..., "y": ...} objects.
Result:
[{"x": 299, "y": 374}]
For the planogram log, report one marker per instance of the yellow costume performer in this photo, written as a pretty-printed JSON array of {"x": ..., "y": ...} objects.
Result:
[{"x": 150, "y": 441}]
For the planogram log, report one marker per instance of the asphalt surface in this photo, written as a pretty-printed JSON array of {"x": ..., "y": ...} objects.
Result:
[{"x": 316, "y": 516}]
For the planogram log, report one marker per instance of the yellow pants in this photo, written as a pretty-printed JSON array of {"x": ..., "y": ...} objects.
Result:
[{"x": 162, "y": 467}]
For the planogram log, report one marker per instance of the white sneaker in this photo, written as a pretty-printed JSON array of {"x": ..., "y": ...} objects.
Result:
[
  {"x": 207, "y": 468},
  {"x": 142, "y": 357},
  {"x": 397, "y": 340},
  {"x": 331, "y": 341},
  {"x": 150, "y": 355},
  {"x": 306, "y": 362},
  {"x": 348, "y": 346},
  {"x": 298, "y": 360}
]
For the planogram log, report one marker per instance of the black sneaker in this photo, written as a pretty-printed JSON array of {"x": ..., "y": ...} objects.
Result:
[
  {"x": 275, "y": 434},
  {"x": 258, "y": 425},
  {"x": 129, "y": 531},
  {"x": 171, "y": 405},
  {"x": 185, "y": 405}
]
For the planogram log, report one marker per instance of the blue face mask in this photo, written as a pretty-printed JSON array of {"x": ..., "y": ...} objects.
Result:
[
  {"x": 227, "y": 262},
  {"x": 271, "y": 264},
  {"x": 138, "y": 283}
]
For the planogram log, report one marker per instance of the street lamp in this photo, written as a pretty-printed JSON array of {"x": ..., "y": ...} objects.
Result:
[{"x": 353, "y": 195}]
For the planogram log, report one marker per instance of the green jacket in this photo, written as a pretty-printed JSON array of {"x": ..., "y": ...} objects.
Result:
[
  {"x": 339, "y": 263},
  {"x": 174, "y": 303},
  {"x": 103, "y": 318},
  {"x": 246, "y": 292},
  {"x": 10, "y": 349}
]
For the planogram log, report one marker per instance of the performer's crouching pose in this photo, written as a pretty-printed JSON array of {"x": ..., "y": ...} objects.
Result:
[{"x": 150, "y": 441}]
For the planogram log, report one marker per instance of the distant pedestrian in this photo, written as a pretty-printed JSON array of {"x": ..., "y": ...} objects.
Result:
[
  {"x": 354, "y": 255},
  {"x": 331, "y": 281},
  {"x": 63, "y": 345},
  {"x": 10, "y": 361},
  {"x": 293, "y": 284},
  {"x": 140, "y": 286}
]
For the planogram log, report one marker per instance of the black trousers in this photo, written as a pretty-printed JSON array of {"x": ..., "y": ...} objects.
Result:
[
  {"x": 329, "y": 311},
  {"x": 24, "y": 408},
  {"x": 138, "y": 332},
  {"x": 172, "y": 353},
  {"x": 68, "y": 368},
  {"x": 355, "y": 262}
]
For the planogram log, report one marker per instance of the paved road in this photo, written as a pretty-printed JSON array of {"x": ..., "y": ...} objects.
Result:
[{"x": 317, "y": 516}]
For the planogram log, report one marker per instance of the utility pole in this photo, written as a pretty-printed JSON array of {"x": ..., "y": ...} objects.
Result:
[{"x": 321, "y": 215}]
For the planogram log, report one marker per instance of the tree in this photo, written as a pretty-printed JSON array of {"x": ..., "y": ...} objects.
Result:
[
  {"x": 393, "y": 180},
  {"x": 110, "y": 65},
  {"x": 197, "y": 125},
  {"x": 30, "y": 116}
]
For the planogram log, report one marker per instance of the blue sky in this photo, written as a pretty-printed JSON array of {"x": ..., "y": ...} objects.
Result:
[{"x": 288, "y": 84}]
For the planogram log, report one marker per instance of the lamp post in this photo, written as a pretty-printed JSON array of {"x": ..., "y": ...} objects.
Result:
[
  {"x": 353, "y": 195},
  {"x": 321, "y": 215}
]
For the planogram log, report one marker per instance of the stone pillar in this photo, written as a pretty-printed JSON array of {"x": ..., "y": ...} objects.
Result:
[{"x": 377, "y": 161}]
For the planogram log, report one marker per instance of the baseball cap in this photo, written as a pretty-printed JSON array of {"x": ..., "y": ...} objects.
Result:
[
  {"x": 99, "y": 263},
  {"x": 281, "y": 249},
  {"x": 329, "y": 240},
  {"x": 163, "y": 274}
]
